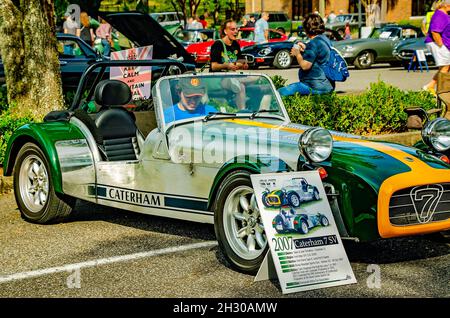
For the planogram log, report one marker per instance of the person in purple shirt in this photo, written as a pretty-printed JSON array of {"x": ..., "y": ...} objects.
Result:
[
  {"x": 438, "y": 41},
  {"x": 191, "y": 92}
]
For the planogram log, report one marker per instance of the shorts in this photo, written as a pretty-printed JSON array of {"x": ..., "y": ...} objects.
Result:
[{"x": 441, "y": 54}]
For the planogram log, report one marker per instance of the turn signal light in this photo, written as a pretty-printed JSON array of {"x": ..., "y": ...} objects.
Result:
[
  {"x": 259, "y": 60},
  {"x": 445, "y": 159},
  {"x": 323, "y": 173}
]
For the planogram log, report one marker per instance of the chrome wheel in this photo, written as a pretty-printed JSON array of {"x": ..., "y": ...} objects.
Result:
[
  {"x": 304, "y": 227},
  {"x": 33, "y": 183},
  {"x": 364, "y": 60},
  {"x": 295, "y": 200},
  {"x": 283, "y": 59},
  {"x": 243, "y": 225}
]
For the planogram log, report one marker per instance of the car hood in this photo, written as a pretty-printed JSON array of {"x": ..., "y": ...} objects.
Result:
[
  {"x": 143, "y": 30},
  {"x": 412, "y": 44},
  {"x": 355, "y": 154},
  {"x": 355, "y": 42}
]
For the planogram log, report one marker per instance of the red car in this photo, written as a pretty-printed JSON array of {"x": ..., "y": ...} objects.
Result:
[{"x": 246, "y": 37}]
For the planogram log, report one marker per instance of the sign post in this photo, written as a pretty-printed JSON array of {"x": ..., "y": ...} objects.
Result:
[{"x": 304, "y": 241}]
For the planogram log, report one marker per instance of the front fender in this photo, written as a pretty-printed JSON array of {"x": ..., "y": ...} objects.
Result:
[
  {"x": 44, "y": 135},
  {"x": 256, "y": 164}
]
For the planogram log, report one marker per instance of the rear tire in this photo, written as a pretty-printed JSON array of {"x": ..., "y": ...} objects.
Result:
[
  {"x": 282, "y": 59},
  {"x": 238, "y": 224},
  {"x": 33, "y": 188},
  {"x": 364, "y": 60}
]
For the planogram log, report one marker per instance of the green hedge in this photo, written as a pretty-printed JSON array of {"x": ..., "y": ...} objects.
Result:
[{"x": 380, "y": 110}]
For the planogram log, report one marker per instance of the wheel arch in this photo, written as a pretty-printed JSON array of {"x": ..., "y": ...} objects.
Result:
[
  {"x": 45, "y": 139},
  {"x": 253, "y": 164}
]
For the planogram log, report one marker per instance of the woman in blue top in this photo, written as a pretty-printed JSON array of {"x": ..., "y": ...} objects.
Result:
[{"x": 310, "y": 57}]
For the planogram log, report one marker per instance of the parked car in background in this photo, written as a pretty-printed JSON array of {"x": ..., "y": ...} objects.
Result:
[
  {"x": 190, "y": 36},
  {"x": 342, "y": 19},
  {"x": 143, "y": 30},
  {"x": 246, "y": 37},
  {"x": 73, "y": 62},
  {"x": 277, "y": 54},
  {"x": 378, "y": 47},
  {"x": 406, "y": 49},
  {"x": 140, "y": 29},
  {"x": 171, "y": 21},
  {"x": 277, "y": 20}
]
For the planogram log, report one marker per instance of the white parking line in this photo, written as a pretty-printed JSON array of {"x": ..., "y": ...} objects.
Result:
[{"x": 104, "y": 261}]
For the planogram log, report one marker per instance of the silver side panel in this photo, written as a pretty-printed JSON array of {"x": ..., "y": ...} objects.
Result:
[{"x": 77, "y": 167}]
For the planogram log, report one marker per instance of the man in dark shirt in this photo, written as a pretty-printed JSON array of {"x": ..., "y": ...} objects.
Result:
[
  {"x": 226, "y": 52},
  {"x": 251, "y": 22}
]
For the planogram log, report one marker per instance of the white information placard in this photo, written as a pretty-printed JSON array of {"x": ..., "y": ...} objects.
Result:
[
  {"x": 306, "y": 248},
  {"x": 421, "y": 56}
]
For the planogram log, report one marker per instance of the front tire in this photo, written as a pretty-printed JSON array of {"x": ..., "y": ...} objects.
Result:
[
  {"x": 238, "y": 224},
  {"x": 33, "y": 188},
  {"x": 364, "y": 60},
  {"x": 293, "y": 199},
  {"x": 282, "y": 59}
]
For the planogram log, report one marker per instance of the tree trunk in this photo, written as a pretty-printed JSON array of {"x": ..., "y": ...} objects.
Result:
[{"x": 30, "y": 57}]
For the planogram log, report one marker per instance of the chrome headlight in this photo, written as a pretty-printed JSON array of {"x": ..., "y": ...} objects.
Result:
[
  {"x": 436, "y": 134},
  {"x": 316, "y": 144},
  {"x": 265, "y": 51}
]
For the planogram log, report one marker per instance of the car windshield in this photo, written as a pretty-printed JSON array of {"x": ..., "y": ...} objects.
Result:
[
  {"x": 216, "y": 96},
  {"x": 193, "y": 36},
  {"x": 385, "y": 33},
  {"x": 246, "y": 35},
  {"x": 343, "y": 18}
]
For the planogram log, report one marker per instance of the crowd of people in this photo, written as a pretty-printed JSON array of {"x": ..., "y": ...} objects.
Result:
[{"x": 88, "y": 31}]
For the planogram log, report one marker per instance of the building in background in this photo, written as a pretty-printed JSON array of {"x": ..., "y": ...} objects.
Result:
[{"x": 388, "y": 10}]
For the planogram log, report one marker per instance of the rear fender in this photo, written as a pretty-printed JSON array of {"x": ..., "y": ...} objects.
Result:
[{"x": 43, "y": 135}]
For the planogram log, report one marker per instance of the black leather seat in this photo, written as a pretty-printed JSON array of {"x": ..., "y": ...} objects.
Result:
[{"x": 115, "y": 124}]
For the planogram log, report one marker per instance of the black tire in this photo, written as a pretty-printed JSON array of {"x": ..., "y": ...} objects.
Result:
[
  {"x": 396, "y": 63},
  {"x": 364, "y": 60},
  {"x": 230, "y": 247},
  {"x": 282, "y": 59},
  {"x": 324, "y": 221},
  {"x": 279, "y": 220},
  {"x": 50, "y": 208},
  {"x": 264, "y": 200},
  {"x": 303, "y": 229},
  {"x": 316, "y": 195},
  {"x": 293, "y": 199}
]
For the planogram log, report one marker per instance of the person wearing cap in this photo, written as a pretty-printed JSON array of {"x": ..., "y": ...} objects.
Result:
[
  {"x": 438, "y": 41},
  {"x": 191, "y": 104}
]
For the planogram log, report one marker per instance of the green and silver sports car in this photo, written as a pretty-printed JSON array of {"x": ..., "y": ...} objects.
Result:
[
  {"x": 378, "y": 47},
  {"x": 191, "y": 150}
]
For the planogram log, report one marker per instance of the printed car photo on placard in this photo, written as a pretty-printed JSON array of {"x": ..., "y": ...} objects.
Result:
[{"x": 303, "y": 238}]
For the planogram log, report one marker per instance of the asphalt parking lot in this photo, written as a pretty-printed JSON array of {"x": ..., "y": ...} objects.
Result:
[{"x": 105, "y": 252}]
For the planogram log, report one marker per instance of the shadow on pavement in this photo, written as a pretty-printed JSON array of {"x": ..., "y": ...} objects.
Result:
[
  {"x": 85, "y": 211},
  {"x": 398, "y": 249}
]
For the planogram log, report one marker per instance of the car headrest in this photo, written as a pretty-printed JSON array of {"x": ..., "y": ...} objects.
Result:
[{"x": 112, "y": 93}]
